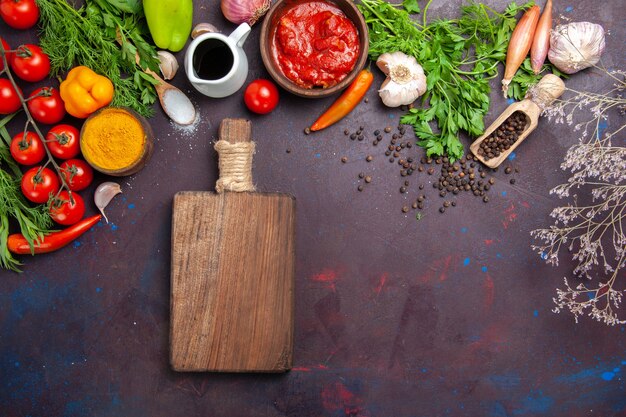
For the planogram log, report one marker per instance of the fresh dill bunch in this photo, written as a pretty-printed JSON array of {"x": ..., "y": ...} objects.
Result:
[{"x": 105, "y": 38}]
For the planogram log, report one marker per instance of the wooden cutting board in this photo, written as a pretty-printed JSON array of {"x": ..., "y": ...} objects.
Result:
[{"x": 232, "y": 277}]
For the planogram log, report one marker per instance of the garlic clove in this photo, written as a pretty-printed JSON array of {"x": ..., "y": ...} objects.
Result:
[
  {"x": 104, "y": 194},
  {"x": 201, "y": 28},
  {"x": 167, "y": 64}
]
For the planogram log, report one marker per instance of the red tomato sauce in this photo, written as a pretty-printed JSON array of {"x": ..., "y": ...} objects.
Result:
[{"x": 315, "y": 44}]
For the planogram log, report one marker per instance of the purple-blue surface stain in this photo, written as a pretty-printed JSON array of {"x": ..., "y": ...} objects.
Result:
[
  {"x": 608, "y": 376},
  {"x": 113, "y": 227},
  {"x": 512, "y": 156},
  {"x": 535, "y": 403},
  {"x": 503, "y": 193},
  {"x": 499, "y": 255},
  {"x": 77, "y": 243},
  {"x": 131, "y": 206},
  {"x": 392, "y": 116},
  {"x": 484, "y": 269},
  {"x": 510, "y": 100},
  {"x": 498, "y": 410},
  {"x": 506, "y": 381},
  {"x": 536, "y": 313},
  {"x": 98, "y": 289},
  {"x": 569, "y": 9},
  {"x": 601, "y": 128},
  {"x": 463, "y": 229},
  {"x": 318, "y": 155},
  {"x": 466, "y": 261}
]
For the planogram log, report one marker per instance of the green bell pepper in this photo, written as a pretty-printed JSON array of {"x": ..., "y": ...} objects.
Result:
[{"x": 169, "y": 22}]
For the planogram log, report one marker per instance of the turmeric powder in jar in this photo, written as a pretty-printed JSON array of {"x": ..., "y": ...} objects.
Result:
[{"x": 116, "y": 141}]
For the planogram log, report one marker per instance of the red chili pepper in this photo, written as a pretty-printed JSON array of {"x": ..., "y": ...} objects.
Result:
[
  {"x": 18, "y": 244},
  {"x": 346, "y": 102}
]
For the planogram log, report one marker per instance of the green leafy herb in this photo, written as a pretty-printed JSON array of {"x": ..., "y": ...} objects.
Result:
[
  {"x": 459, "y": 58},
  {"x": 411, "y": 6},
  {"x": 103, "y": 35}
]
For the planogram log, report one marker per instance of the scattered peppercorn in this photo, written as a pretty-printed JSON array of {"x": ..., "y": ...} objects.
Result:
[
  {"x": 360, "y": 188},
  {"x": 405, "y": 209},
  {"x": 368, "y": 179},
  {"x": 369, "y": 158},
  {"x": 344, "y": 159}
]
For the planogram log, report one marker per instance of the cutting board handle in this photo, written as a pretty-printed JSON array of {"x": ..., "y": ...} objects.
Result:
[{"x": 235, "y": 150}]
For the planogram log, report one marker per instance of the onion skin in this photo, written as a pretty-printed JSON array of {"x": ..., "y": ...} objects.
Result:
[
  {"x": 519, "y": 45},
  {"x": 541, "y": 41},
  {"x": 248, "y": 11}
]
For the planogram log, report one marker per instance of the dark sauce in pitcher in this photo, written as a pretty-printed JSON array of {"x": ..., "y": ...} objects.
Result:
[{"x": 212, "y": 59}]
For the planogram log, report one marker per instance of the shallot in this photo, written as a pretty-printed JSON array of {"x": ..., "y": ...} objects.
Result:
[
  {"x": 541, "y": 40},
  {"x": 248, "y": 11},
  {"x": 519, "y": 45},
  {"x": 104, "y": 194}
]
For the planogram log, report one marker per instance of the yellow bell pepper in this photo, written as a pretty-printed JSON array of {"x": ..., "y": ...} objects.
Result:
[{"x": 84, "y": 92}]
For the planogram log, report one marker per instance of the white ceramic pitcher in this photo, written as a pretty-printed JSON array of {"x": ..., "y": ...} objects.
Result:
[{"x": 215, "y": 64}]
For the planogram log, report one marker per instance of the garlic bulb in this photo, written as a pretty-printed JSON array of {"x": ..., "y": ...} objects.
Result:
[
  {"x": 405, "y": 79},
  {"x": 167, "y": 64},
  {"x": 576, "y": 46}
]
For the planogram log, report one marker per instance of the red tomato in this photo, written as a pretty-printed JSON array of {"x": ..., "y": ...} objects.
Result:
[
  {"x": 63, "y": 141},
  {"x": 6, "y": 47},
  {"x": 39, "y": 183},
  {"x": 261, "y": 96},
  {"x": 67, "y": 209},
  {"x": 77, "y": 174},
  {"x": 46, "y": 106},
  {"x": 27, "y": 150},
  {"x": 9, "y": 98},
  {"x": 30, "y": 63},
  {"x": 19, "y": 14}
]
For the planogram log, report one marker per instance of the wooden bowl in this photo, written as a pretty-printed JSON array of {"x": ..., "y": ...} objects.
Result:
[
  {"x": 269, "y": 28},
  {"x": 111, "y": 132}
]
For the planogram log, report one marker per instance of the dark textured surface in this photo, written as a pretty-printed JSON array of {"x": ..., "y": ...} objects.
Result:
[{"x": 448, "y": 316}]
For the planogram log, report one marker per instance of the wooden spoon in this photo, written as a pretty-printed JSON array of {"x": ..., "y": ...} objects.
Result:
[
  {"x": 547, "y": 90},
  {"x": 173, "y": 101}
]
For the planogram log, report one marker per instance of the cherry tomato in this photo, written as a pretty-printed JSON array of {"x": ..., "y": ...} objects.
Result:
[
  {"x": 9, "y": 99},
  {"x": 77, "y": 174},
  {"x": 19, "y": 14},
  {"x": 6, "y": 47},
  {"x": 261, "y": 96},
  {"x": 63, "y": 141},
  {"x": 67, "y": 209},
  {"x": 30, "y": 63},
  {"x": 27, "y": 150},
  {"x": 38, "y": 183},
  {"x": 46, "y": 106}
]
